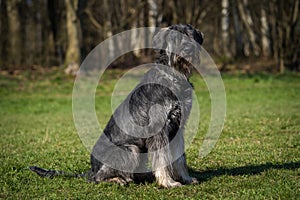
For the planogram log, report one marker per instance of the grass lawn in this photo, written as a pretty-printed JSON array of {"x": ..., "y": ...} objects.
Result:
[{"x": 257, "y": 155}]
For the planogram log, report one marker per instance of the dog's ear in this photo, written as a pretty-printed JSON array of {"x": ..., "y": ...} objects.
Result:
[
  {"x": 198, "y": 36},
  {"x": 159, "y": 39}
]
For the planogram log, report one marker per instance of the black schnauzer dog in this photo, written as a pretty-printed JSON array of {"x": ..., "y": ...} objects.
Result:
[{"x": 147, "y": 128}]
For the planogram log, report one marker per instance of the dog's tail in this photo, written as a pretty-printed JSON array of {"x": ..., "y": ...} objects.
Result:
[{"x": 52, "y": 173}]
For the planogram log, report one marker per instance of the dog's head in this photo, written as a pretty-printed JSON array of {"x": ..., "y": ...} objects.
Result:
[{"x": 179, "y": 47}]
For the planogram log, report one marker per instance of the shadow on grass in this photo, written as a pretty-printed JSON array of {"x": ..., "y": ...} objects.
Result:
[{"x": 245, "y": 170}]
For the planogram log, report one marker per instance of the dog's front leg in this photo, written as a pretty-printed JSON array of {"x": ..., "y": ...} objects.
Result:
[
  {"x": 161, "y": 164},
  {"x": 164, "y": 179}
]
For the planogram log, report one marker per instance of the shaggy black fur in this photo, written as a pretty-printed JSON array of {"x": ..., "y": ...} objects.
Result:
[{"x": 150, "y": 122}]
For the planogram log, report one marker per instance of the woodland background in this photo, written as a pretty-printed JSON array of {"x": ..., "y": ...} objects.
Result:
[{"x": 256, "y": 35}]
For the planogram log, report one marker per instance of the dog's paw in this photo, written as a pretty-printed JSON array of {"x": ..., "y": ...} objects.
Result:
[
  {"x": 118, "y": 180},
  {"x": 194, "y": 181},
  {"x": 190, "y": 180},
  {"x": 175, "y": 184},
  {"x": 170, "y": 184}
]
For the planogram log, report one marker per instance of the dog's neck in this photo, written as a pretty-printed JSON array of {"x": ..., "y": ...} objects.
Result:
[{"x": 180, "y": 64}]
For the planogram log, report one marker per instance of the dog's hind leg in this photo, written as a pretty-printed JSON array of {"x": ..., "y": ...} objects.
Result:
[
  {"x": 112, "y": 175},
  {"x": 180, "y": 172},
  {"x": 126, "y": 161}
]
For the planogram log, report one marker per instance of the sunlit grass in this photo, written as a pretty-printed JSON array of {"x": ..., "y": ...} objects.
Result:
[{"x": 256, "y": 157}]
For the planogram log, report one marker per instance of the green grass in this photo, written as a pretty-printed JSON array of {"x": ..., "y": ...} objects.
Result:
[{"x": 256, "y": 157}]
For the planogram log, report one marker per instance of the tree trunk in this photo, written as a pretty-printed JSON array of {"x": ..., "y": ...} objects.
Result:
[
  {"x": 48, "y": 48},
  {"x": 38, "y": 33},
  {"x": 248, "y": 22},
  {"x": 274, "y": 34},
  {"x": 14, "y": 25},
  {"x": 265, "y": 41},
  {"x": 3, "y": 34},
  {"x": 73, "y": 55},
  {"x": 225, "y": 28},
  {"x": 280, "y": 28},
  {"x": 153, "y": 13},
  {"x": 294, "y": 55},
  {"x": 108, "y": 29},
  {"x": 281, "y": 55},
  {"x": 239, "y": 46}
]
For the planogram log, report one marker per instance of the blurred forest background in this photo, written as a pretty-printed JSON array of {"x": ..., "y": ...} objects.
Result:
[{"x": 249, "y": 35}]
